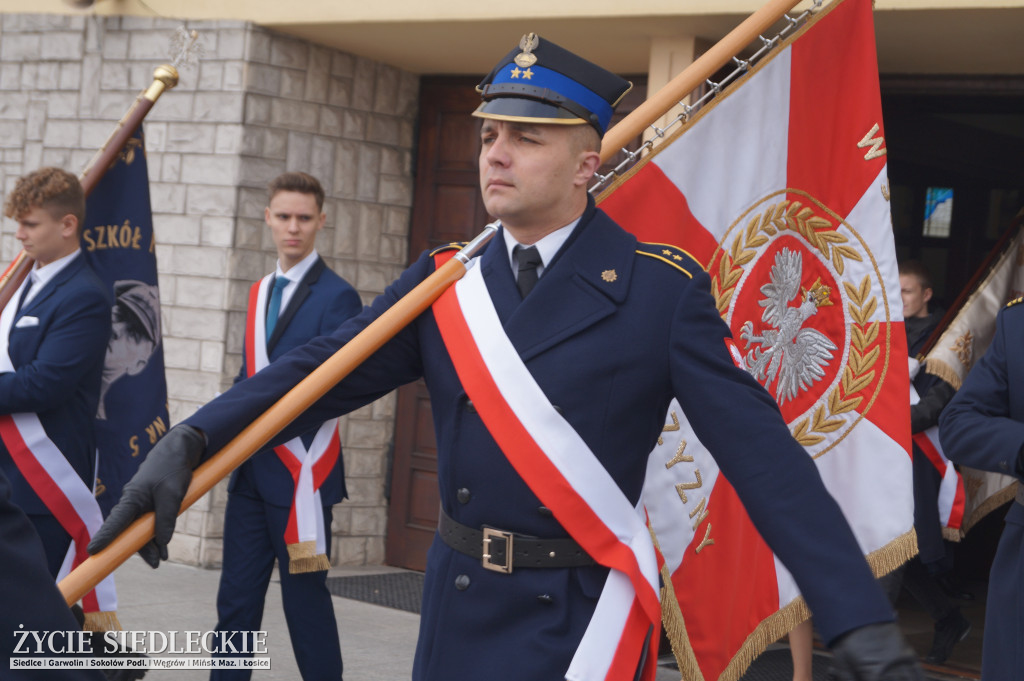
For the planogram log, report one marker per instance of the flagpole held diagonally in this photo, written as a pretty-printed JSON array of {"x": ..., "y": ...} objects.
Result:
[
  {"x": 283, "y": 412},
  {"x": 403, "y": 312},
  {"x": 693, "y": 76},
  {"x": 165, "y": 77}
]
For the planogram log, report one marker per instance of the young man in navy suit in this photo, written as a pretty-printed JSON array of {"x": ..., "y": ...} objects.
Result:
[
  {"x": 550, "y": 367},
  {"x": 279, "y": 501},
  {"x": 53, "y": 338}
]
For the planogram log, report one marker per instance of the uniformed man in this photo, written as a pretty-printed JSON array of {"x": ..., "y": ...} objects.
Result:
[
  {"x": 983, "y": 427},
  {"x": 588, "y": 335}
]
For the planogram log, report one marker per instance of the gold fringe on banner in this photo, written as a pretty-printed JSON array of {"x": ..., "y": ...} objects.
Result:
[
  {"x": 302, "y": 557},
  {"x": 989, "y": 505},
  {"x": 936, "y": 367},
  {"x": 101, "y": 621},
  {"x": 772, "y": 628}
]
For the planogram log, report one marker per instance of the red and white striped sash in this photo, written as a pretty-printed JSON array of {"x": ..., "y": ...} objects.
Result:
[
  {"x": 565, "y": 475},
  {"x": 952, "y": 495},
  {"x": 58, "y": 485},
  {"x": 305, "y": 534}
]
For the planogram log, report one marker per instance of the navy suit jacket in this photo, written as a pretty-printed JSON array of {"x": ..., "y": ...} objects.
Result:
[
  {"x": 610, "y": 356},
  {"x": 321, "y": 302},
  {"x": 58, "y": 366}
]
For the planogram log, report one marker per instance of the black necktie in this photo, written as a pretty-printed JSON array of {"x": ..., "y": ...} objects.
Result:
[
  {"x": 528, "y": 258},
  {"x": 24, "y": 293}
]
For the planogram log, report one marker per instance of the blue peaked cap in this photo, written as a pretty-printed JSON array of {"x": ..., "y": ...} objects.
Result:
[{"x": 540, "y": 82}]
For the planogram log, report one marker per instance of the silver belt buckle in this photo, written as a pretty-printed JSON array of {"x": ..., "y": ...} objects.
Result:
[{"x": 490, "y": 534}]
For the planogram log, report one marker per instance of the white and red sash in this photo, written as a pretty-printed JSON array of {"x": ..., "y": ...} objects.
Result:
[
  {"x": 57, "y": 484},
  {"x": 305, "y": 535},
  {"x": 565, "y": 475},
  {"x": 952, "y": 495}
]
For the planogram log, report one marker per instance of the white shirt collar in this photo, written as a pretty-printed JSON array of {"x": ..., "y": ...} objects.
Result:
[
  {"x": 547, "y": 246},
  {"x": 297, "y": 271},
  {"x": 42, "y": 275},
  {"x": 294, "y": 275}
]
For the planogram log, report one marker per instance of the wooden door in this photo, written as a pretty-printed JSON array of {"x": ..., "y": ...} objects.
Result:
[{"x": 446, "y": 207}]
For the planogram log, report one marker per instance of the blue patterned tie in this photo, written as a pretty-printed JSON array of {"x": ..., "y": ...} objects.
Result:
[
  {"x": 28, "y": 287},
  {"x": 274, "y": 306}
]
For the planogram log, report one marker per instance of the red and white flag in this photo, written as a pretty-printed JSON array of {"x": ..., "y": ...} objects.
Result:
[{"x": 779, "y": 188}]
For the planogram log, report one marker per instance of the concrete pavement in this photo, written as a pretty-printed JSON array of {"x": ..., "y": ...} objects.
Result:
[{"x": 377, "y": 643}]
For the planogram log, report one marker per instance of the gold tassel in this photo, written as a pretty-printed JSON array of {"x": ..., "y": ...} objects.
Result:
[
  {"x": 302, "y": 557},
  {"x": 936, "y": 367},
  {"x": 101, "y": 621},
  {"x": 952, "y": 534}
]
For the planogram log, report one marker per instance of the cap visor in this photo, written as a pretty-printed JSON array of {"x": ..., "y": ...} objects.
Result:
[{"x": 525, "y": 111}]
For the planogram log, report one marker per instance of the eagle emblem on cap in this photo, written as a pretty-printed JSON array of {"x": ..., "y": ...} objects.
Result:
[{"x": 528, "y": 44}]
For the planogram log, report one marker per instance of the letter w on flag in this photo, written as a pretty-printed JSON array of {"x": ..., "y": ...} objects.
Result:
[{"x": 779, "y": 188}]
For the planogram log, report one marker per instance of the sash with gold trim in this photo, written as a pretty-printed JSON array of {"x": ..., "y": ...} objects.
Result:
[
  {"x": 305, "y": 535},
  {"x": 59, "y": 487},
  {"x": 566, "y": 476}
]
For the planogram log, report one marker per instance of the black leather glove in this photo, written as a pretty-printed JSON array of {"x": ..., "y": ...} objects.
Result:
[
  {"x": 876, "y": 652},
  {"x": 159, "y": 486}
]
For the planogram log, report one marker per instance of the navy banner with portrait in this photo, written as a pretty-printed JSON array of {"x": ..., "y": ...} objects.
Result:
[{"x": 119, "y": 242}]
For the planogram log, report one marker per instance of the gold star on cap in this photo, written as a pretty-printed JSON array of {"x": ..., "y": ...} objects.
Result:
[
  {"x": 527, "y": 74},
  {"x": 609, "y": 276},
  {"x": 516, "y": 73},
  {"x": 528, "y": 44}
]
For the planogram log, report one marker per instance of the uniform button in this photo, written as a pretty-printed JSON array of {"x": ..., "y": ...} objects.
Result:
[
  {"x": 546, "y": 599},
  {"x": 463, "y": 495},
  {"x": 545, "y": 511},
  {"x": 469, "y": 407},
  {"x": 462, "y": 582}
]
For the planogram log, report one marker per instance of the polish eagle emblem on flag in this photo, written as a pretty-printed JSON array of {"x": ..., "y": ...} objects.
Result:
[
  {"x": 807, "y": 332},
  {"x": 778, "y": 187}
]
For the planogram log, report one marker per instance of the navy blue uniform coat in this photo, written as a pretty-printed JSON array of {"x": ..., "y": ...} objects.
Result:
[
  {"x": 58, "y": 364},
  {"x": 610, "y": 356},
  {"x": 983, "y": 427}
]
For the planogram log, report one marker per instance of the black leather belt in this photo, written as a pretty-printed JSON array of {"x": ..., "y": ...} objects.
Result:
[{"x": 493, "y": 547}]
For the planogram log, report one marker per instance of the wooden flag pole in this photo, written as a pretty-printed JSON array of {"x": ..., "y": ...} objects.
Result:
[
  {"x": 87, "y": 575},
  {"x": 165, "y": 77},
  {"x": 693, "y": 76}
]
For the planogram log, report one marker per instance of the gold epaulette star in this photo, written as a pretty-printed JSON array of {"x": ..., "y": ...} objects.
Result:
[{"x": 671, "y": 255}]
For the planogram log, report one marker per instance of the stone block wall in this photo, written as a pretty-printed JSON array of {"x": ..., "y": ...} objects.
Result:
[{"x": 256, "y": 105}]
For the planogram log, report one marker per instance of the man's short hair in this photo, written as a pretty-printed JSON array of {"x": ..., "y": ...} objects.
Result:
[
  {"x": 303, "y": 183},
  {"x": 53, "y": 189},
  {"x": 917, "y": 269}
]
